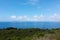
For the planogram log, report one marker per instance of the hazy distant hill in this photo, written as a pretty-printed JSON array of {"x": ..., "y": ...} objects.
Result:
[{"x": 29, "y": 34}]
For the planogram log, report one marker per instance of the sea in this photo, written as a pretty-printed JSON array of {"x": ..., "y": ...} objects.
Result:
[{"x": 43, "y": 25}]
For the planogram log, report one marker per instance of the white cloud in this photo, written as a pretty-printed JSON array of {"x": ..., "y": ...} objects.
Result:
[
  {"x": 35, "y": 18},
  {"x": 23, "y": 18},
  {"x": 13, "y": 17},
  {"x": 55, "y": 17},
  {"x": 19, "y": 17},
  {"x": 38, "y": 18},
  {"x": 41, "y": 16}
]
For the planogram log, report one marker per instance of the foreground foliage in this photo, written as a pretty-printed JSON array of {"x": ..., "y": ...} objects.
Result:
[{"x": 29, "y": 34}]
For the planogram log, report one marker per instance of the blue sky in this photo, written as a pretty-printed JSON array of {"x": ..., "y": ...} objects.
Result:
[{"x": 30, "y": 10}]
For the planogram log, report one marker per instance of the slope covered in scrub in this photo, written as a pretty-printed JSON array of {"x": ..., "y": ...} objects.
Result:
[{"x": 29, "y": 34}]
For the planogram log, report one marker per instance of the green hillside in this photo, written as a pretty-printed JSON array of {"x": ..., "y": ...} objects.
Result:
[{"x": 29, "y": 34}]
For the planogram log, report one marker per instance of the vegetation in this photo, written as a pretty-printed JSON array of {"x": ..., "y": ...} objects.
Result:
[{"x": 29, "y": 34}]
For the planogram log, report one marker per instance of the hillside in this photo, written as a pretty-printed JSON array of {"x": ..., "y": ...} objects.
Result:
[{"x": 29, "y": 34}]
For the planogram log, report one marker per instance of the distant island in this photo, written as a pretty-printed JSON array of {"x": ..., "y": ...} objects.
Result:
[{"x": 29, "y": 34}]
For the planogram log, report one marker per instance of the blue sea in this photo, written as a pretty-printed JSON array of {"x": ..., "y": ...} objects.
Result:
[{"x": 30, "y": 24}]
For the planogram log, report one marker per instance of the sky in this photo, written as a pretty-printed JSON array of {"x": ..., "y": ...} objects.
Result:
[{"x": 30, "y": 10}]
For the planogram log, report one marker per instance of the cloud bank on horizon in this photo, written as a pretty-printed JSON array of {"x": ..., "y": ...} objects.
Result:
[
  {"x": 30, "y": 10},
  {"x": 55, "y": 18}
]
